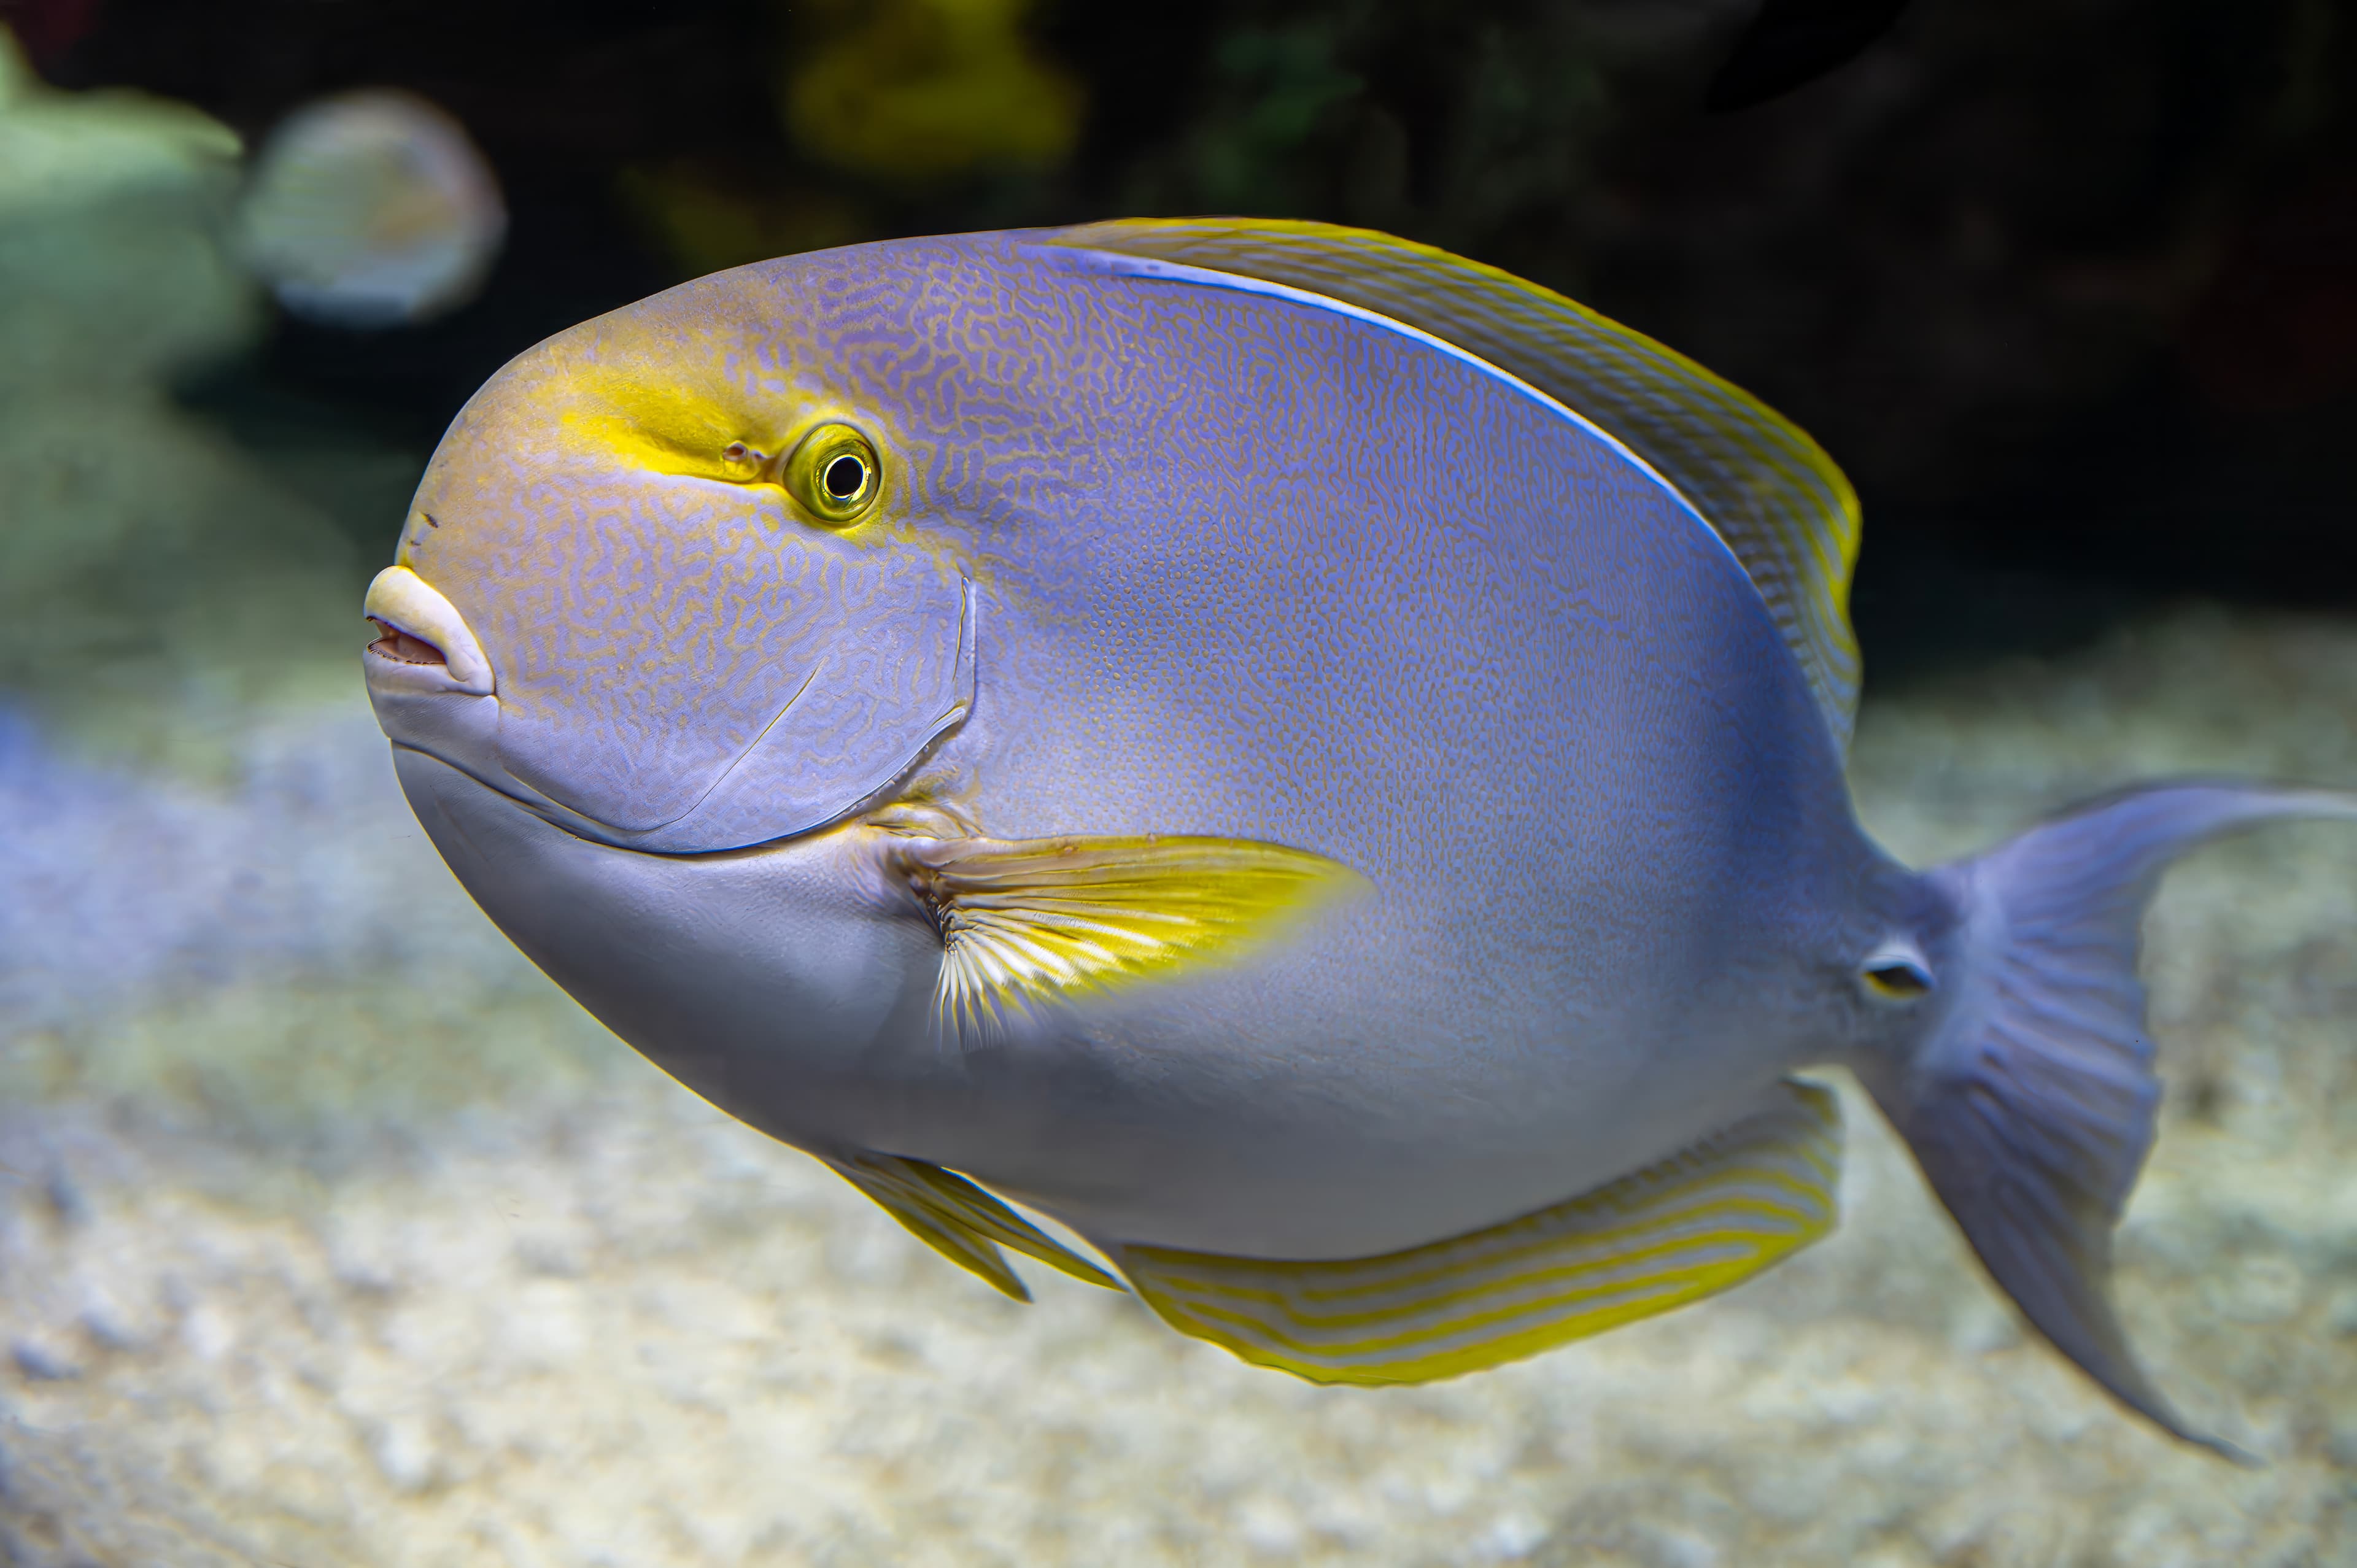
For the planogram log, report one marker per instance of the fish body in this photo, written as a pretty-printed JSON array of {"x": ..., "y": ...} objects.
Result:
[
  {"x": 1191, "y": 727},
  {"x": 1462, "y": 645}
]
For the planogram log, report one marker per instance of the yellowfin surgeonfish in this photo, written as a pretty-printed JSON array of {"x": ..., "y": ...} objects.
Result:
[{"x": 1312, "y": 761}]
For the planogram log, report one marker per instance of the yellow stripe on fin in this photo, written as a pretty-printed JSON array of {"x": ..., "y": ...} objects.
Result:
[
  {"x": 1783, "y": 506},
  {"x": 1692, "y": 1226},
  {"x": 961, "y": 1222},
  {"x": 1035, "y": 919}
]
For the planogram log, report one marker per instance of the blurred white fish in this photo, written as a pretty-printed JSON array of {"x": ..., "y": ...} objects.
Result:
[{"x": 372, "y": 209}]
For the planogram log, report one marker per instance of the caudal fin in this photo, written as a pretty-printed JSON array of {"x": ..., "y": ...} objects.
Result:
[{"x": 2031, "y": 1102}]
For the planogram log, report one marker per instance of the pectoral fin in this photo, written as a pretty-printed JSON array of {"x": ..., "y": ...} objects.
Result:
[
  {"x": 1692, "y": 1226},
  {"x": 1030, "y": 920},
  {"x": 961, "y": 1222}
]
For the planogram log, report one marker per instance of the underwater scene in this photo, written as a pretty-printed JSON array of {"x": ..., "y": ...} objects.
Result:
[{"x": 1338, "y": 781}]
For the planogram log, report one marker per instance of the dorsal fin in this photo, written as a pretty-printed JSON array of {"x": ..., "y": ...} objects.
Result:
[{"x": 1785, "y": 508}]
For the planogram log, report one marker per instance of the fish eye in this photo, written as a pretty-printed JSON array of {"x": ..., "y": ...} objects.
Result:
[
  {"x": 835, "y": 473},
  {"x": 1896, "y": 973}
]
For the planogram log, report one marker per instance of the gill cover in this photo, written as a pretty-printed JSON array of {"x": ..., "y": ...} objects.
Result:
[{"x": 686, "y": 658}]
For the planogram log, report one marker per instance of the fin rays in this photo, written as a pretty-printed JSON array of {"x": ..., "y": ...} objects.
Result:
[
  {"x": 1026, "y": 921},
  {"x": 2030, "y": 1103},
  {"x": 1687, "y": 1228},
  {"x": 961, "y": 1222}
]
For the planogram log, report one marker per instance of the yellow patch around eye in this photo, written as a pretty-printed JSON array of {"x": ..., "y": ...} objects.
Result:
[
  {"x": 658, "y": 428},
  {"x": 744, "y": 461},
  {"x": 831, "y": 469}
]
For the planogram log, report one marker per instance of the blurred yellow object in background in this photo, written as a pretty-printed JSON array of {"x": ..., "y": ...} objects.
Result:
[
  {"x": 920, "y": 90},
  {"x": 705, "y": 220}
]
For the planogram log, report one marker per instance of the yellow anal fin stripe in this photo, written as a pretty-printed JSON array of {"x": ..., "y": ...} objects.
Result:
[
  {"x": 961, "y": 1222},
  {"x": 1692, "y": 1226},
  {"x": 1031, "y": 921}
]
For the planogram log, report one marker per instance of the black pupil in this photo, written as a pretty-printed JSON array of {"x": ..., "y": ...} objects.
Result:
[
  {"x": 844, "y": 476},
  {"x": 1900, "y": 977}
]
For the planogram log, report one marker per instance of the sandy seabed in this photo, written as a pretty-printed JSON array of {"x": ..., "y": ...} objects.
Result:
[{"x": 331, "y": 1234}]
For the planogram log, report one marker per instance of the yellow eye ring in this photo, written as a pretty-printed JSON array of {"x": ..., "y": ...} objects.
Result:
[{"x": 835, "y": 473}]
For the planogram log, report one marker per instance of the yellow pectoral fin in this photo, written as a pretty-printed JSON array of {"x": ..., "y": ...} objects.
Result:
[
  {"x": 1692, "y": 1226},
  {"x": 1035, "y": 919},
  {"x": 961, "y": 1222}
]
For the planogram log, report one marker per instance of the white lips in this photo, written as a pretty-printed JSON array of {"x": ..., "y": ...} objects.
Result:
[{"x": 400, "y": 597}]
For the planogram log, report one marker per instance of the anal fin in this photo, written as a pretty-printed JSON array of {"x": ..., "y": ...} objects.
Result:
[
  {"x": 1691, "y": 1226},
  {"x": 961, "y": 1222}
]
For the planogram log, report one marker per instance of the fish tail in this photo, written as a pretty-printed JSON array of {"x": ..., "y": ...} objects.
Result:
[{"x": 2029, "y": 1100}]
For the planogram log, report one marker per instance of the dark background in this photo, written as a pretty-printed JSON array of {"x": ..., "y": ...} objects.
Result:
[{"x": 2069, "y": 287}]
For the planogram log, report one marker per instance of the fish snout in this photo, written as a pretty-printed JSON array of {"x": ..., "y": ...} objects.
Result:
[{"x": 425, "y": 645}]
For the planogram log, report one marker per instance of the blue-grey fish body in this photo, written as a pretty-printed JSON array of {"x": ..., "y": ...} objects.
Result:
[{"x": 1209, "y": 731}]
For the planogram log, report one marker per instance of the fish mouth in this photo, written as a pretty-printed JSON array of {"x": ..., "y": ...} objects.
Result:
[
  {"x": 402, "y": 649},
  {"x": 424, "y": 641}
]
